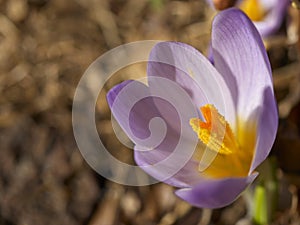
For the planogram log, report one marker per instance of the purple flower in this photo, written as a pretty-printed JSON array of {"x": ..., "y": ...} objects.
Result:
[
  {"x": 267, "y": 15},
  {"x": 199, "y": 127}
]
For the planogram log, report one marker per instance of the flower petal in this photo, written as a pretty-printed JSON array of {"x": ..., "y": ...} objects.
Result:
[
  {"x": 267, "y": 129},
  {"x": 215, "y": 193},
  {"x": 241, "y": 58},
  {"x": 271, "y": 23},
  {"x": 185, "y": 176},
  {"x": 240, "y": 55},
  {"x": 113, "y": 93},
  {"x": 274, "y": 19},
  {"x": 186, "y": 66},
  {"x": 164, "y": 139},
  {"x": 128, "y": 102}
]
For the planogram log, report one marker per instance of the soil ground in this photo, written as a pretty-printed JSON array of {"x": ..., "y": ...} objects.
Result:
[{"x": 45, "y": 47}]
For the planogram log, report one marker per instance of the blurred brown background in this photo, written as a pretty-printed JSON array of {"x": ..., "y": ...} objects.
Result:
[{"x": 45, "y": 47}]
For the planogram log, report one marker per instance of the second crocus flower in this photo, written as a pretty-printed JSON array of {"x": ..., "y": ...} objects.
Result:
[{"x": 267, "y": 15}]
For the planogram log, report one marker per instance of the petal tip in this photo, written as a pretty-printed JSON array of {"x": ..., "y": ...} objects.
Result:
[{"x": 113, "y": 93}]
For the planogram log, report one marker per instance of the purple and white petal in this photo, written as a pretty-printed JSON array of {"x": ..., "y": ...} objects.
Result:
[
  {"x": 215, "y": 193},
  {"x": 277, "y": 10},
  {"x": 186, "y": 66},
  {"x": 266, "y": 129},
  {"x": 164, "y": 139},
  {"x": 133, "y": 108},
  {"x": 246, "y": 66},
  {"x": 176, "y": 173},
  {"x": 241, "y": 58}
]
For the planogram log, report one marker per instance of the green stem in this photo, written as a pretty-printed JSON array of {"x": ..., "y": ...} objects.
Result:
[{"x": 266, "y": 193}]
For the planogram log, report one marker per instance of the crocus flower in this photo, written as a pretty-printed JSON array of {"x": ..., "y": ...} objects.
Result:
[
  {"x": 235, "y": 118},
  {"x": 267, "y": 15}
]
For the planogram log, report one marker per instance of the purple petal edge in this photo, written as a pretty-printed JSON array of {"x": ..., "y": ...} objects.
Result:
[
  {"x": 241, "y": 58},
  {"x": 215, "y": 193},
  {"x": 113, "y": 93},
  {"x": 194, "y": 73},
  {"x": 267, "y": 129},
  {"x": 273, "y": 21},
  {"x": 182, "y": 179}
]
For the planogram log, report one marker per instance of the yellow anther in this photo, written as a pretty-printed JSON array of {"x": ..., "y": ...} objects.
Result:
[
  {"x": 215, "y": 132},
  {"x": 234, "y": 151}
]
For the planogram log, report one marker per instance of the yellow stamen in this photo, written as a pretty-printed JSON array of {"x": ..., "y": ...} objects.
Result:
[
  {"x": 253, "y": 9},
  {"x": 234, "y": 153},
  {"x": 215, "y": 132}
]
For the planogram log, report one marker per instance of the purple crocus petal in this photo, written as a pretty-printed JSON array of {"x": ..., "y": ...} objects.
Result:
[
  {"x": 241, "y": 58},
  {"x": 164, "y": 139},
  {"x": 267, "y": 128},
  {"x": 215, "y": 193},
  {"x": 273, "y": 20},
  {"x": 133, "y": 108},
  {"x": 186, "y": 176},
  {"x": 187, "y": 67},
  {"x": 240, "y": 55},
  {"x": 271, "y": 23},
  {"x": 113, "y": 93}
]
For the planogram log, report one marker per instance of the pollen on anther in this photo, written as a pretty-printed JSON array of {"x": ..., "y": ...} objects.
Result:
[{"x": 215, "y": 131}]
